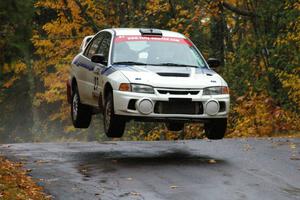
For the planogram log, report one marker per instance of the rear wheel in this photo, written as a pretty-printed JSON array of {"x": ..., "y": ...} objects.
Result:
[
  {"x": 175, "y": 126},
  {"x": 216, "y": 128},
  {"x": 114, "y": 125},
  {"x": 81, "y": 114}
]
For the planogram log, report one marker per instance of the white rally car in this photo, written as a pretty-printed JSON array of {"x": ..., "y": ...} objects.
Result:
[{"x": 148, "y": 75}]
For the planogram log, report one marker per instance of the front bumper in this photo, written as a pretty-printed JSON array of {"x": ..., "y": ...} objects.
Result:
[{"x": 127, "y": 104}]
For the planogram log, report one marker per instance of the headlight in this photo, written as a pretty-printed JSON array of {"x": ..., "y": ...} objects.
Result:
[
  {"x": 138, "y": 88},
  {"x": 142, "y": 88},
  {"x": 215, "y": 90}
]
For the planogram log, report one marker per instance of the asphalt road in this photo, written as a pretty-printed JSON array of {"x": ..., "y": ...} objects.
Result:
[{"x": 258, "y": 169}]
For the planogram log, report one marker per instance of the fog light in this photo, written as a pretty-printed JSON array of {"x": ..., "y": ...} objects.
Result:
[
  {"x": 212, "y": 107},
  {"x": 145, "y": 106}
]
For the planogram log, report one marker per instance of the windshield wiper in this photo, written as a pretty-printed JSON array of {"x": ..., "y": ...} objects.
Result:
[
  {"x": 129, "y": 63},
  {"x": 176, "y": 65}
]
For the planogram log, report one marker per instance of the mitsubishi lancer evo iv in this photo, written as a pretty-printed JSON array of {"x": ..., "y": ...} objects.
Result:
[{"x": 146, "y": 75}]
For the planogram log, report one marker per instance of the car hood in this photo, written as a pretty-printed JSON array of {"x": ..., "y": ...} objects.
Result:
[{"x": 171, "y": 77}]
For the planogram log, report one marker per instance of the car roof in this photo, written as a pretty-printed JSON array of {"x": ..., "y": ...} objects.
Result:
[{"x": 136, "y": 31}]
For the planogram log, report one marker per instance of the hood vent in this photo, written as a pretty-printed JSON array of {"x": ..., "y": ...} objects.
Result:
[{"x": 173, "y": 74}]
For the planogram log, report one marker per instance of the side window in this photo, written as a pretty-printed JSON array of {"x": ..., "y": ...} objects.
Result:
[
  {"x": 104, "y": 46},
  {"x": 93, "y": 46}
]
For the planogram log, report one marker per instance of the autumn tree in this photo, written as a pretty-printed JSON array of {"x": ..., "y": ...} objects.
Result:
[{"x": 16, "y": 47}]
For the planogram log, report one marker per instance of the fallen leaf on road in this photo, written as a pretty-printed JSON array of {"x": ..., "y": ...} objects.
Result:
[
  {"x": 173, "y": 186},
  {"x": 294, "y": 158},
  {"x": 114, "y": 143},
  {"x": 212, "y": 161},
  {"x": 293, "y": 146},
  {"x": 41, "y": 161},
  {"x": 247, "y": 147},
  {"x": 135, "y": 194}
]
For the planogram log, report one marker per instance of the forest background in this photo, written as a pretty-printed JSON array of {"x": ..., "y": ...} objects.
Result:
[{"x": 257, "y": 42}]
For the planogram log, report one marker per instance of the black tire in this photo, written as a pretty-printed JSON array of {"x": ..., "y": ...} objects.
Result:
[
  {"x": 81, "y": 114},
  {"x": 175, "y": 126},
  {"x": 216, "y": 129},
  {"x": 114, "y": 125}
]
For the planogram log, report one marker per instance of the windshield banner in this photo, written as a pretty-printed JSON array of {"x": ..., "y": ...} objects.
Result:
[{"x": 126, "y": 38}]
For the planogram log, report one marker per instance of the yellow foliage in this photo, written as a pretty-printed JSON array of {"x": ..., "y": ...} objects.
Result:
[
  {"x": 58, "y": 48},
  {"x": 257, "y": 115},
  {"x": 292, "y": 36},
  {"x": 10, "y": 82},
  {"x": 191, "y": 131},
  {"x": 16, "y": 69},
  {"x": 291, "y": 82},
  {"x": 69, "y": 129}
]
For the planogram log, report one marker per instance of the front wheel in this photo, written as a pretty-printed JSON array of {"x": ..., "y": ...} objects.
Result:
[
  {"x": 81, "y": 114},
  {"x": 114, "y": 125},
  {"x": 215, "y": 129}
]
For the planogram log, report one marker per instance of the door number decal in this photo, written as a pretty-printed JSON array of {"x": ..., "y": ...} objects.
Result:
[{"x": 96, "y": 82}]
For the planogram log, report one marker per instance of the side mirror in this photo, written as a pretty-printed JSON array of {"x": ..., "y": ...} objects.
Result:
[
  {"x": 213, "y": 62},
  {"x": 98, "y": 58},
  {"x": 81, "y": 49}
]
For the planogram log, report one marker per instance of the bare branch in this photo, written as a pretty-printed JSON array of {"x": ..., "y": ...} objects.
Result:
[
  {"x": 237, "y": 10},
  {"x": 173, "y": 10},
  {"x": 88, "y": 18}
]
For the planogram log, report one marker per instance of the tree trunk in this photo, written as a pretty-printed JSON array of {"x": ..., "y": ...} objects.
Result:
[
  {"x": 217, "y": 36},
  {"x": 36, "y": 122}
]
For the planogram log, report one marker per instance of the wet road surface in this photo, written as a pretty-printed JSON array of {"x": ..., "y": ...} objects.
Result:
[{"x": 177, "y": 170}]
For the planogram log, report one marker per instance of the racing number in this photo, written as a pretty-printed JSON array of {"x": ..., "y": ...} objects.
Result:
[{"x": 96, "y": 82}]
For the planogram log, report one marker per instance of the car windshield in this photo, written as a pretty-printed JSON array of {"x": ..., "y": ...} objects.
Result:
[{"x": 163, "y": 51}]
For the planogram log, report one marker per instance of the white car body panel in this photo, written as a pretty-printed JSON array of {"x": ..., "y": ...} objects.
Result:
[{"x": 151, "y": 78}]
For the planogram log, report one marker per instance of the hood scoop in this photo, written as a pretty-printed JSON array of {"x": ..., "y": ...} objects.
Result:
[{"x": 170, "y": 74}]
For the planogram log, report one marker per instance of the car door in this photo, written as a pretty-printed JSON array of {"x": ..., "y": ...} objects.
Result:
[
  {"x": 95, "y": 76},
  {"x": 88, "y": 83}
]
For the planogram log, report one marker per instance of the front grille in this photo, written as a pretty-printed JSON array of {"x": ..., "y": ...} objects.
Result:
[
  {"x": 177, "y": 92},
  {"x": 178, "y": 107}
]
